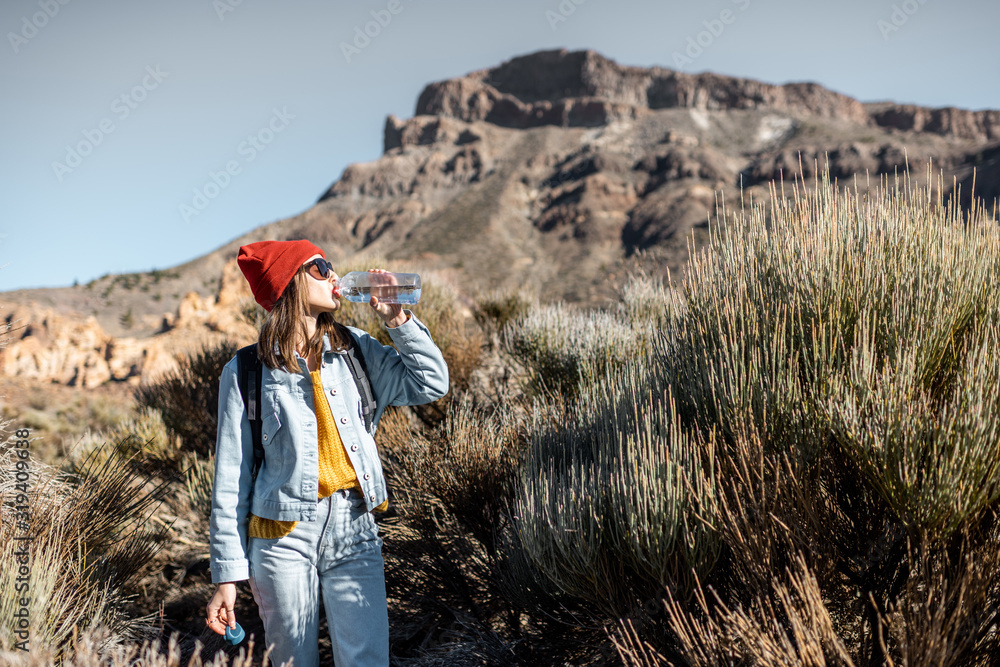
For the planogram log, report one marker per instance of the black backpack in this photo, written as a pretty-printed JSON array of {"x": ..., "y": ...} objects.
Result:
[{"x": 248, "y": 373}]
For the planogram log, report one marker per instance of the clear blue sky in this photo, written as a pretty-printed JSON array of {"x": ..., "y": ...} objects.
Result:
[{"x": 198, "y": 79}]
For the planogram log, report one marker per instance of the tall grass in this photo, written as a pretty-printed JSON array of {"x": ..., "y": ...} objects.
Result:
[
  {"x": 89, "y": 542},
  {"x": 90, "y": 650},
  {"x": 188, "y": 398},
  {"x": 822, "y": 397}
]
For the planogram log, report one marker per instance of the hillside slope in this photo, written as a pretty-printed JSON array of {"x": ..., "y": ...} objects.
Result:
[{"x": 561, "y": 170}]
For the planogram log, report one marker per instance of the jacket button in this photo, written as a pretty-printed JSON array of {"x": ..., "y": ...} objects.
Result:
[
  {"x": 372, "y": 497},
  {"x": 354, "y": 448},
  {"x": 264, "y": 437},
  {"x": 367, "y": 476},
  {"x": 343, "y": 420},
  {"x": 333, "y": 392}
]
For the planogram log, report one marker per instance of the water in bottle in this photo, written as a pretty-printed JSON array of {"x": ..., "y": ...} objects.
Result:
[{"x": 359, "y": 286}]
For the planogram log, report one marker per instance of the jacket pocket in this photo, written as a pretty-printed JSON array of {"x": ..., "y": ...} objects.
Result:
[{"x": 269, "y": 427}]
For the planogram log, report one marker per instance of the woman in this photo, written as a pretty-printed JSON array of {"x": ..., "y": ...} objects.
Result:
[{"x": 304, "y": 527}]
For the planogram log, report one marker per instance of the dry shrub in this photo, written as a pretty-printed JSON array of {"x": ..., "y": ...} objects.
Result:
[
  {"x": 449, "y": 488},
  {"x": 790, "y": 627},
  {"x": 89, "y": 649},
  {"x": 90, "y": 542},
  {"x": 199, "y": 477},
  {"x": 950, "y": 597},
  {"x": 251, "y": 313},
  {"x": 188, "y": 398},
  {"x": 143, "y": 435},
  {"x": 498, "y": 308},
  {"x": 474, "y": 454},
  {"x": 647, "y": 303}
]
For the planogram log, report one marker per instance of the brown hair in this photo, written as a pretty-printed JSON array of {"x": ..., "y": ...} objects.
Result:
[{"x": 285, "y": 324}]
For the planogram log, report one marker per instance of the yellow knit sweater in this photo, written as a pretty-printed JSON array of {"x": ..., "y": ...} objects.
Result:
[{"x": 335, "y": 469}]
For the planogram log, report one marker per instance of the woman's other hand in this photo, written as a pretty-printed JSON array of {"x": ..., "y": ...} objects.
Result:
[{"x": 220, "y": 609}]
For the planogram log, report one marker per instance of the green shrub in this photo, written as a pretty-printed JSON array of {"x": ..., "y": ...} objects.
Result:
[
  {"x": 616, "y": 497},
  {"x": 804, "y": 462},
  {"x": 497, "y": 308},
  {"x": 564, "y": 349}
]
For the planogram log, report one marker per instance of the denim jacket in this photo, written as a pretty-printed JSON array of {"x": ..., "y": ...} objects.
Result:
[{"x": 287, "y": 483}]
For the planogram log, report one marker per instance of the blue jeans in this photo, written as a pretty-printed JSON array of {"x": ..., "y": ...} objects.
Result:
[{"x": 340, "y": 556}]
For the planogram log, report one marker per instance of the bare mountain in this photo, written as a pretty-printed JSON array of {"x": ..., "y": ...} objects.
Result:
[{"x": 565, "y": 169}]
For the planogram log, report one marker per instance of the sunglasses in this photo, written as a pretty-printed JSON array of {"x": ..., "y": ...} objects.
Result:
[{"x": 324, "y": 268}]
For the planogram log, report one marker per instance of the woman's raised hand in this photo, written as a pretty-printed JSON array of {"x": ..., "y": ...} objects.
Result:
[{"x": 391, "y": 313}]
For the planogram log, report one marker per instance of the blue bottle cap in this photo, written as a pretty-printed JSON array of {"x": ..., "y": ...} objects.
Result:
[{"x": 234, "y": 637}]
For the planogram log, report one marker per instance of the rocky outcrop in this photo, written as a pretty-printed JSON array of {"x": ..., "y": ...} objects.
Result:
[
  {"x": 976, "y": 126},
  {"x": 50, "y": 347},
  {"x": 843, "y": 161},
  {"x": 425, "y": 131},
  {"x": 68, "y": 349},
  {"x": 584, "y": 89},
  {"x": 405, "y": 172}
]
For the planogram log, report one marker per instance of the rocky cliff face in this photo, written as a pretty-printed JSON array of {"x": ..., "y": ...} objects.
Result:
[
  {"x": 52, "y": 346},
  {"x": 556, "y": 170},
  {"x": 584, "y": 89}
]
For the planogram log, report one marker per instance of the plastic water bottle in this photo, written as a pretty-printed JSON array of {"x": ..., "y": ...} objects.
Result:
[
  {"x": 234, "y": 637},
  {"x": 359, "y": 286}
]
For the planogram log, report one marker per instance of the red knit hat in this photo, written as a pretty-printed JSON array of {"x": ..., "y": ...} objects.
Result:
[{"x": 270, "y": 265}]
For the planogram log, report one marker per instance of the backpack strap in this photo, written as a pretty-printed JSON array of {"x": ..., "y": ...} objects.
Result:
[
  {"x": 248, "y": 375},
  {"x": 359, "y": 371}
]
